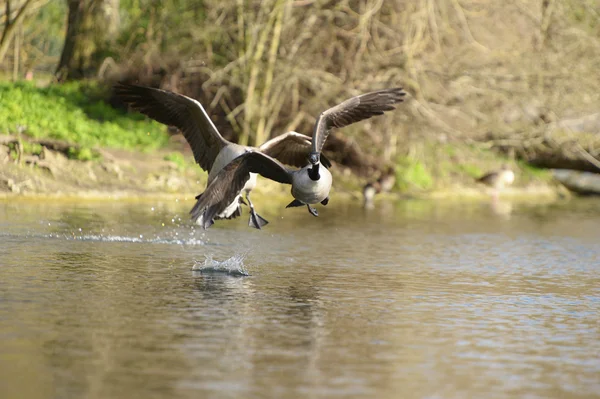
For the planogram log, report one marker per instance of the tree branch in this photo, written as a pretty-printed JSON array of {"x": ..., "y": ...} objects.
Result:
[{"x": 10, "y": 27}]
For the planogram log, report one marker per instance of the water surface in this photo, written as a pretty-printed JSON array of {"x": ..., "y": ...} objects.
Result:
[{"x": 407, "y": 300}]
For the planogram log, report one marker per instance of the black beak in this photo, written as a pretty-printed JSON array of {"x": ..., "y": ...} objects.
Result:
[{"x": 313, "y": 158}]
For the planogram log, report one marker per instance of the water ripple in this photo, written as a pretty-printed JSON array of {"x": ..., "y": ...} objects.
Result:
[{"x": 191, "y": 241}]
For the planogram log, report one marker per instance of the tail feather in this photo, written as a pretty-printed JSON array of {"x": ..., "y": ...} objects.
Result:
[
  {"x": 196, "y": 210},
  {"x": 205, "y": 216}
]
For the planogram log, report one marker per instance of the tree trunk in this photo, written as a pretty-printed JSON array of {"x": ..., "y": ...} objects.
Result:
[
  {"x": 10, "y": 27},
  {"x": 90, "y": 26}
]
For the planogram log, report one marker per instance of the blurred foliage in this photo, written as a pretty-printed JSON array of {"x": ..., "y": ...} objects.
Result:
[
  {"x": 41, "y": 37},
  {"x": 31, "y": 148},
  {"x": 474, "y": 69},
  {"x": 413, "y": 174},
  {"x": 74, "y": 112},
  {"x": 177, "y": 158},
  {"x": 430, "y": 165},
  {"x": 83, "y": 154}
]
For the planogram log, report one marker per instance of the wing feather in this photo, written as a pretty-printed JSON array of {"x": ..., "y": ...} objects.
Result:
[
  {"x": 354, "y": 110},
  {"x": 180, "y": 111},
  {"x": 291, "y": 148}
]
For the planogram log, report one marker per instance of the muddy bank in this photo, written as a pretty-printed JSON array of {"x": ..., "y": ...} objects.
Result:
[
  {"x": 117, "y": 173},
  {"x": 120, "y": 174}
]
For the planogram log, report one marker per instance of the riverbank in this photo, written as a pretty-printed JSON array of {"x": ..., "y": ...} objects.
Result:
[
  {"x": 66, "y": 141},
  {"x": 170, "y": 173}
]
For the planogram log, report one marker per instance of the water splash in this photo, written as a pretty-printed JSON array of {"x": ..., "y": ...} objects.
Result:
[
  {"x": 139, "y": 239},
  {"x": 188, "y": 241},
  {"x": 233, "y": 266}
]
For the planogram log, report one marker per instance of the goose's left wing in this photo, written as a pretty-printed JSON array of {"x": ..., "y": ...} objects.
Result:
[{"x": 354, "y": 110}]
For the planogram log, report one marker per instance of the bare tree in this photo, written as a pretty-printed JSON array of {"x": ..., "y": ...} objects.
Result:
[
  {"x": 12, "y": 22},
  {"x": 91, "y": 24}
]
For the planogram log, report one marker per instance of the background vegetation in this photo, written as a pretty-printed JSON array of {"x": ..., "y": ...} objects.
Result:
[
  {"x": 74, "y": 112},
  {"x": 483, "y": 75}
]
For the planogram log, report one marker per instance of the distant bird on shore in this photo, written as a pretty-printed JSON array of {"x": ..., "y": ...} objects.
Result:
[
  {"x": 383, "y": 184},
  {"x": 311, "y": 184},
  {"x": 211, "y": 151},
  {"x": 498, "y": 179}
]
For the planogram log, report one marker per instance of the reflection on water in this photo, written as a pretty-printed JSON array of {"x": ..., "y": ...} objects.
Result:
[{"x": 410, "y": 299}]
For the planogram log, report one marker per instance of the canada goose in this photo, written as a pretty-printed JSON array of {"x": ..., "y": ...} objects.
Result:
[
  {"x": 211, "y": 151},
  {"x": 498, "y": 179},
  {"x": 369, "y": 191},
  {"x": 387, "y": 179},
  {"x": 310, "y": 184},
  {"x": 384, "y": 184}
]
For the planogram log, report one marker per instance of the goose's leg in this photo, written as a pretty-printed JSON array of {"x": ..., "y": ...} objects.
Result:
[
  {"x": 312, "y": 211},
  {"x": 294, "y": 204},
  {"x": 256, "y": 220},
  {"x": 325, "y": 201}
]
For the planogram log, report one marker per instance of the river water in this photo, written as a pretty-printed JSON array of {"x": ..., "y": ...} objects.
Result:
[{"x": 412, "y": 299}]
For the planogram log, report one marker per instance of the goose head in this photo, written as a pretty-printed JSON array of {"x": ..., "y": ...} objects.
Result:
[{"x": 314, "y": 160}]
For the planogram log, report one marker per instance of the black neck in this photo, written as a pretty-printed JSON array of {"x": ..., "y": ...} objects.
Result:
[{"x": 313, "y": 173}]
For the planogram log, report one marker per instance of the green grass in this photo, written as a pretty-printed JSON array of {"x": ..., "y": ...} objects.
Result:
[
  {"x": 177, "y": 158},
  {"x": 32, "y": 148},
  {"x": 75, "y": 112},
  {"x": 412, "y": 173},
  {"x": 432, "y": 166},
  {"x": 531, "y": 173},
  {"x": 83, "y": 154}
]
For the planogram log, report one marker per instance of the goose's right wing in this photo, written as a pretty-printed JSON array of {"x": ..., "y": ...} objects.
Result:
[
  {"x": 185, "y": 113},
  {"x": 230, "y": 181},
  {"x": 291, "y": 148}
]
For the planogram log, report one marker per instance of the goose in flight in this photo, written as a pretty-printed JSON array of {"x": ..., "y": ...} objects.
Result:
[
  {"x": 311, "y": 183},
  {"x": 211, "y": 151}
]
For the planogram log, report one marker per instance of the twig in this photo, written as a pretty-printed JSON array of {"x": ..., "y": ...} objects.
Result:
[{"x": 463, "y": 19}]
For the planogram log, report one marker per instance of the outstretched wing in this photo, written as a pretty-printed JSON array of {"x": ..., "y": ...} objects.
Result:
[
  {"x": 230, "y": 180},
  {"x": 185, "y": 113},
  {"x": 354, "y": 110},
  {"x": 291, "y": 148}
]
